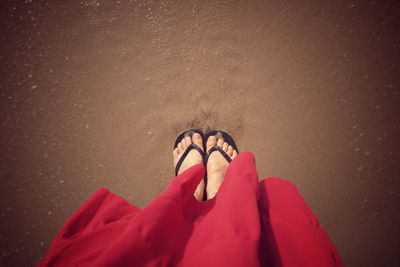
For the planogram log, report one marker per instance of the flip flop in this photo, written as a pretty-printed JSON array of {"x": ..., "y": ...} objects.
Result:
[
  {"x": 184, "y": 134},
  {"x": 220, "y": 135}
]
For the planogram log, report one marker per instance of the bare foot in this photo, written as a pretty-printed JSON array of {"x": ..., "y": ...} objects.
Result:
[
  {"x": 217, "y": 165},
  {"x": 193, "y": 158}
]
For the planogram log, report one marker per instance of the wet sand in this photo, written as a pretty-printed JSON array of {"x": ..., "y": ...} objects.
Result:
[{"x": 93, "y": 94}]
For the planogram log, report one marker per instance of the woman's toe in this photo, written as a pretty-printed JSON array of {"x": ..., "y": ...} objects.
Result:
[
  {"x": 230, "y": 151},
  {"x": 211, "y": 141},
  {"x": 188, "y": 140},
  {"x": 184, "y": 143},
  {"x": 180, "y": 148},
  {"x": 225, "y": 146},
  {"x": 220, "y": 142},
  {"x": 234, "y": 154},
  {"x": 197, "y": 140}
]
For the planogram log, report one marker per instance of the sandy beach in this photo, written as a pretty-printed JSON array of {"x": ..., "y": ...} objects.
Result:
[{"x": 93, "y": 94}]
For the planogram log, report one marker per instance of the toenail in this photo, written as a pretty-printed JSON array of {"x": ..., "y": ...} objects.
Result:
[{"x": 196, "y": 136}]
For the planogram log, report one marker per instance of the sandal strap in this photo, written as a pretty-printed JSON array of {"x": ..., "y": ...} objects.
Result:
[
  {"x": 217, "y": 148},
  {"x": 180, "y": 161}
]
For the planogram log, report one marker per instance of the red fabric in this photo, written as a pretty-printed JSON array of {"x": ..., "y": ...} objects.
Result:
[{"x": 248, "y": 223}]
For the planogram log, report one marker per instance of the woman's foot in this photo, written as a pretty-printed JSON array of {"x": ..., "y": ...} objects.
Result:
[
  {"x": 217, "y": 165},
  {"x": 193, "y": 158}
]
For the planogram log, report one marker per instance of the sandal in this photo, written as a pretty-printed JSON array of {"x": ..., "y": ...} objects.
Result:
[
  {"x": 219, "y": 135},
  {"x": 186, "y": 133}
]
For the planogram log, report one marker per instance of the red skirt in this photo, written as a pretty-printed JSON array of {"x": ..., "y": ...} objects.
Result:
[{"x": 248, "y": 223}]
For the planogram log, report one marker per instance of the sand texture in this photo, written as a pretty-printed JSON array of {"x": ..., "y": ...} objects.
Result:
[{"x": 93, "y": 94}]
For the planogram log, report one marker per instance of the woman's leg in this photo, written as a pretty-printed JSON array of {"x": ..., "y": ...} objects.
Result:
[
  {"x": 191, "y": 159},
  {"x": 217, "y": 165}
]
